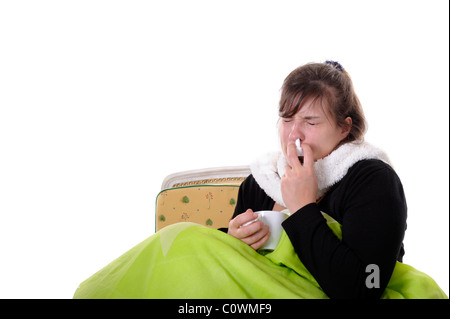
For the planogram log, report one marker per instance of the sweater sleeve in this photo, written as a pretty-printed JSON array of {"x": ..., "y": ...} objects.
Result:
[{"x": 372, "y": 207}]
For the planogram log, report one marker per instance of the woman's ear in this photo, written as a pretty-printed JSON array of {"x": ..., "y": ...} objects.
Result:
[{"x": 345, "y": 129}]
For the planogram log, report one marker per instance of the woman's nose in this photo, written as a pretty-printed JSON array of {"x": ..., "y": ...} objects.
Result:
[{"x": 295, "y": 134}]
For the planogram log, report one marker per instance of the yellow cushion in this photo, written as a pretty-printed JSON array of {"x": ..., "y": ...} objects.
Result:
[{"x": 208, "y": 205}]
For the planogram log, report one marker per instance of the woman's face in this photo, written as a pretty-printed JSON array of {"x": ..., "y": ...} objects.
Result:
[{"x": 313, "y": 127}]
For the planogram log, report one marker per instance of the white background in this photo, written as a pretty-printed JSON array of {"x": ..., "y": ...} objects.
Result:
[{"x": 100, "y": 100}]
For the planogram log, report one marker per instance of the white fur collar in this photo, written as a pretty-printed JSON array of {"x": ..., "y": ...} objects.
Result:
[{"x": 268, "y": 169}]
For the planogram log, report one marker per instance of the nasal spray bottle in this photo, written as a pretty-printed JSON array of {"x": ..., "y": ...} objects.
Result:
[{"x": 299, "y": 150}]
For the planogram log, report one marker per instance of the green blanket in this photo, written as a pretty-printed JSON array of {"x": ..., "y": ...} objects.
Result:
[{"x": 191, "y": 261}]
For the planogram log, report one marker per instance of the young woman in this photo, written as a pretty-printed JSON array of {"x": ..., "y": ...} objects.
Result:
[
  {"x": 343, "y": 238},
  {"x": 341, "y": 176}
]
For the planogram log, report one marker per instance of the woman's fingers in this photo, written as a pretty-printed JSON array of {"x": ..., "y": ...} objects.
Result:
[
  {"x": 258, "y": 236},
  {"x": 292, "y": 157},
  {"x": 308, "y": 158},
  {"x": 257, "y": 245},
  {"x": 242, "y": 219},
  {"x": 247, "y": 228}
]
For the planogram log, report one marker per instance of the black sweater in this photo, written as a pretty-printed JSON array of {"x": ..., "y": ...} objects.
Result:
[{"x": 370, "y": 205}]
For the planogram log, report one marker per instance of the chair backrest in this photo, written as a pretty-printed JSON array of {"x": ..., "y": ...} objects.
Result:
[{"x": 206, "y": 196}]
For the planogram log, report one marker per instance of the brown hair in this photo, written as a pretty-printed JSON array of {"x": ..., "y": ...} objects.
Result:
[{"x": 327, "y": 82}]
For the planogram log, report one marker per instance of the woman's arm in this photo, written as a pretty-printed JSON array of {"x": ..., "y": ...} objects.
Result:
[{"x": 371, "y": 204}]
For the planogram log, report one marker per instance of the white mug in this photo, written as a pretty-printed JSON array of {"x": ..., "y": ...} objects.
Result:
[{"x": 273, "y": 219}]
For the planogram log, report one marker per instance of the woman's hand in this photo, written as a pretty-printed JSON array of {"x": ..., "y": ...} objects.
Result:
[
  {"x": 254, "y": 234},
  {"x": 299, "y": 183}
]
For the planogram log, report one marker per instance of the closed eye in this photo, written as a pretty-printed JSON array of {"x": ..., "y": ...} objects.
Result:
[{"x": 311, "y": 120}]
